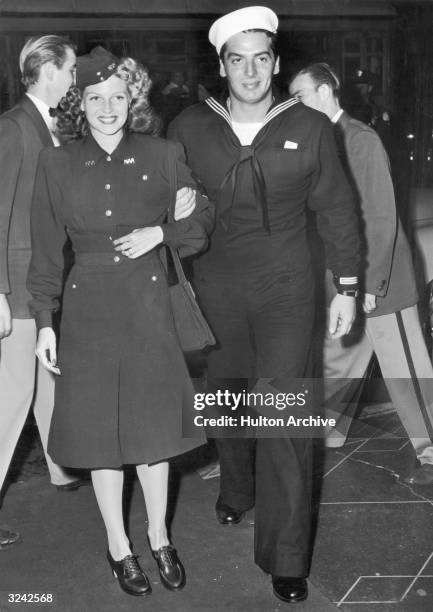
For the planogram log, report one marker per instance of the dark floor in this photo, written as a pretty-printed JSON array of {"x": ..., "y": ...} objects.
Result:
[{"x": 373, "y": 550}]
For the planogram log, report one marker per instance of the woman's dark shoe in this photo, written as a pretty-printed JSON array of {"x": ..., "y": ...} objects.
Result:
[
  {"x": 131, "y": 577},
  {"x": 170, "y": 568}
]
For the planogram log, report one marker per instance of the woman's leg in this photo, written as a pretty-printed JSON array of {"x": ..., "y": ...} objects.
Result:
[
  {"x": 108, "y": 487},
  {"x": 154, "y": 482}
]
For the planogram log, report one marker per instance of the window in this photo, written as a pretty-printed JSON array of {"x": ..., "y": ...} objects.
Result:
[{"x": 367, "y": 51}]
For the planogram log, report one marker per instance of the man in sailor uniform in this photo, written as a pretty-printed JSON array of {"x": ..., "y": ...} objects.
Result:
[{"x": 264, "y": 161}]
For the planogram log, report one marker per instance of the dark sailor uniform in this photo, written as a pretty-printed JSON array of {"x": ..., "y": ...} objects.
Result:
[
  {"x": 123, "y": 382},
  {"x": 255, "y": 285}
]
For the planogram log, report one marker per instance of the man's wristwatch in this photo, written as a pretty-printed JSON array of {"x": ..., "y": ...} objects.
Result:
[{"x": 349, "y": 292}]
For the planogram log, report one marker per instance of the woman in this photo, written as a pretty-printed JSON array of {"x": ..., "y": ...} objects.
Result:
[{"x": 123, "y": 380}]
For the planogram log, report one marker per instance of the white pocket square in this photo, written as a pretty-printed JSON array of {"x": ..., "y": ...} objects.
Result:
[{"x": 290, "y": 145}]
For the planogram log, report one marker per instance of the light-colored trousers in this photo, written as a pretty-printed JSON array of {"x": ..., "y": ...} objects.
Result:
[
  {"x": 21, "y": 383},
  {"x": 406, "y": 368}
]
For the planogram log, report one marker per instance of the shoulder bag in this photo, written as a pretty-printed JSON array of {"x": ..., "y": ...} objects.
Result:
[{"x": 192, "y": 328}]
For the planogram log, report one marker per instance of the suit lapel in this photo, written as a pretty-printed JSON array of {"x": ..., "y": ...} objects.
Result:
[{"x": 36, "y": 117}]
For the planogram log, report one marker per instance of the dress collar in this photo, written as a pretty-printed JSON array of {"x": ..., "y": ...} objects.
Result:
[{"x": 95, "y": 152}]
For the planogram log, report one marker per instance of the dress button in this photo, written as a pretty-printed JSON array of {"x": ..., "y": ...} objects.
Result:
[
  {"x": 154, "y": 278},
  {"x": 107, "y": 187},
  {"x": 116, "y": 258},
  {"x": 108, "y": 213},
  {"x": 108, "y": 158}
]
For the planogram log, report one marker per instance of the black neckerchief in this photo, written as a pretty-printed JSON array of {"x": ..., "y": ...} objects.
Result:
[{"x": 247, "y": 154}]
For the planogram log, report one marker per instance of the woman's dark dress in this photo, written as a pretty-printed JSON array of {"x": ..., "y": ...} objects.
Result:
[{"x": 124, "y": 385}]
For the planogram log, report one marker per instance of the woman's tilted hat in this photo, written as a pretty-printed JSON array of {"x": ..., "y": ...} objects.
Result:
[
  {"x": 248, "y": 18},
  {"x": 95, "y": 67}
]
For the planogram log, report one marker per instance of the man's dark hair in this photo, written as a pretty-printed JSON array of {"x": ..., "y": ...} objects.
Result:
[
  {"x": 322, "y": 74},
  {"x": 273, "y": 37},
  {"x": 38, "y": 51}
]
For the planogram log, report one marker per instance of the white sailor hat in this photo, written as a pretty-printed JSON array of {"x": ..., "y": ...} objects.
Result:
[{"x": 248, "y": 18}]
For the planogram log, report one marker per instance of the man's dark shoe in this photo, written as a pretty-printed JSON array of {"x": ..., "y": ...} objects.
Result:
[
  {"x": 290, "y": 590},
  {"x": 74, "y": 485},
  {"x": 170, "y": 567},
  {"x": 422, "y": 475},
  {"x": 8, "y": 537},
  {"x": 227, "y": 515},
  {"x": 131, "y": 577}
]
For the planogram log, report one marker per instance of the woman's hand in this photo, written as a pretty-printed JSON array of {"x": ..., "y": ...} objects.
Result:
[
  {"x": 185, "y": 203},
  {"x": 139, "y": 241},
  {"x": 46, "y": 349},
  {"x": 342, "y": 313},
  {"x": 5, "y": 317}
]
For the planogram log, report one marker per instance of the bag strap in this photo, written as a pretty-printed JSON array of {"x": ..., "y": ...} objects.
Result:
[{"x": 172, "y": 178}]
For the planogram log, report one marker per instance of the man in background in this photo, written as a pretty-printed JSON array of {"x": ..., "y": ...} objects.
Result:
[
  {"x": 47, "y": 66},
  {"x": 390, "y": 324}
]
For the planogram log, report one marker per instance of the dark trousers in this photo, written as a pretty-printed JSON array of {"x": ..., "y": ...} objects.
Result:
[{"x": 262, "y": 322}]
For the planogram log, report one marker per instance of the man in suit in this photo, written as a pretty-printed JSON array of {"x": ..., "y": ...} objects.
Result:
[
  {"x": 47, "y": 66},
  {"x": 264, "y": 160},
  {"x": 390, "y": 326}
]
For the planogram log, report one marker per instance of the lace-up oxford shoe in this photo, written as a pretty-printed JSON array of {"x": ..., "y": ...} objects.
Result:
[
  {"x": 170, "y": 568},
  {"x": 131, "y": 577}
]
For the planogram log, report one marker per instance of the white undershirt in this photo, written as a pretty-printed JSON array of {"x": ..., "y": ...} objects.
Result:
[{"x": 246, "y": 132}]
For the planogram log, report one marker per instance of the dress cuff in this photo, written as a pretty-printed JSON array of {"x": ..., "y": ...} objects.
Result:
[
  {"x": 168, "y": 233},
  {"x": 43, "y": 318}
]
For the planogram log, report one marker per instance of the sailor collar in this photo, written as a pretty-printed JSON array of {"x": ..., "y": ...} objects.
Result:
[
  {"x": 247, "y": 155},
  {"x": 277, "y": 107}
]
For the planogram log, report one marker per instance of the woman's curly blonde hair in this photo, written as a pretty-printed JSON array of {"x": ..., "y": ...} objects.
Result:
[{"x": 71, "y": 119}]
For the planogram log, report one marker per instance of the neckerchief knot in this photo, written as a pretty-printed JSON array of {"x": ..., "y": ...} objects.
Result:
[{"x": 247, "y": 154}]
